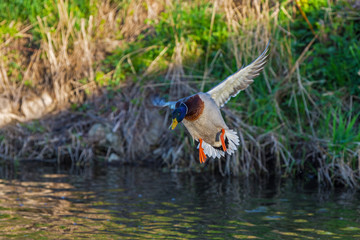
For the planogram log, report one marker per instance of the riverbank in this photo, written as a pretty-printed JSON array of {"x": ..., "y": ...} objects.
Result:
[{"x": 77, "y": 78}]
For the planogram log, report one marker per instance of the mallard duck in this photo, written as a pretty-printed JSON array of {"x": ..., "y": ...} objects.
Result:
[{"x": 200, "y": 113}]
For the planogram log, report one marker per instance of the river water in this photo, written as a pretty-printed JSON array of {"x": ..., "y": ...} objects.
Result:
[{"x": 44, "y": 202}]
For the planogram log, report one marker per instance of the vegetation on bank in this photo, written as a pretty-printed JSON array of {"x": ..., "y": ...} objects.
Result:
[{"x": 103, "y": 60}]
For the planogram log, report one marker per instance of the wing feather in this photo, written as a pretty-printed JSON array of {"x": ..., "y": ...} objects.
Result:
[
  {"x": 160, "y": 102},
  {"x": 239, "y": 81}
]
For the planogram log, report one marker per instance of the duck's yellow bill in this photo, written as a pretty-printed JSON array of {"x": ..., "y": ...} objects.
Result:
[{"x": 174, "y": 123}]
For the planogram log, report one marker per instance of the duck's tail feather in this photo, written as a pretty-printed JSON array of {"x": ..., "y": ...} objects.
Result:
[
  {"x": 233, "y": 139},
  {"x": 210, "y": 151},
  {"x": 233, "y": 143}
]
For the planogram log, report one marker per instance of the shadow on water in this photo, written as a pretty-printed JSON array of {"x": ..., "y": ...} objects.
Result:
[{"x": 137, "y": 203}]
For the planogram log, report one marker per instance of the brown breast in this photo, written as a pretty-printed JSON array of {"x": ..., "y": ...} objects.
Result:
[{"x": 195, "y": 107}]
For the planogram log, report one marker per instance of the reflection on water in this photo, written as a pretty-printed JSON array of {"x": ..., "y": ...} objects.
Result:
[{"x": 138, "y": 203}]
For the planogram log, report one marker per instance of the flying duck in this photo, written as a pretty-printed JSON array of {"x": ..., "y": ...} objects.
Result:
[{"x": 200, "y": 113}]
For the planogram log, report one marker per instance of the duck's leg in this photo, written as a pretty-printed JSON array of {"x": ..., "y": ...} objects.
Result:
[
  {"x": 223, "y": 139},
  {"x": 202, "y": 156}
]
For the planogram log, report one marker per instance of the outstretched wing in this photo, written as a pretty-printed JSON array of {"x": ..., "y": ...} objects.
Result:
[
  {"x": 160, "y": 102},
  {"x": 240, "y": 80}
]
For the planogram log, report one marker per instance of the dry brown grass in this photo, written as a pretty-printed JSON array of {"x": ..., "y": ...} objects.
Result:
[
  {"x": 65, "y": 62},
  {"x": 64, "y": 66}
]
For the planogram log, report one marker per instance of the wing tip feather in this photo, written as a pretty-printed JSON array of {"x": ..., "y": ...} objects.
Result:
[{"x": 246, "y": 77}]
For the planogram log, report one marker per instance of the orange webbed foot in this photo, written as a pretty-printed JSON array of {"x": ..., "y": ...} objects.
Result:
[
  {"x": 202, "y": 156},
  {"x": 223, "y": 139}
]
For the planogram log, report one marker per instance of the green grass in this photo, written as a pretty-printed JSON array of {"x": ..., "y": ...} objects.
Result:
[
  {"x": 187, "y": 24},
  {"x": 345, "y": 133},
  {"x": 335, "y": 58},
  {"x": 27, "y": 11}
]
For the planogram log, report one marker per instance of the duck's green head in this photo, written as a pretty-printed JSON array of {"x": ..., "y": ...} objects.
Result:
[{"x": 178, "y": 115}]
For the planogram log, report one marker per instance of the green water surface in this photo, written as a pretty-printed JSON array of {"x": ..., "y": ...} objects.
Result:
[{"x": 143, "y": 203}]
